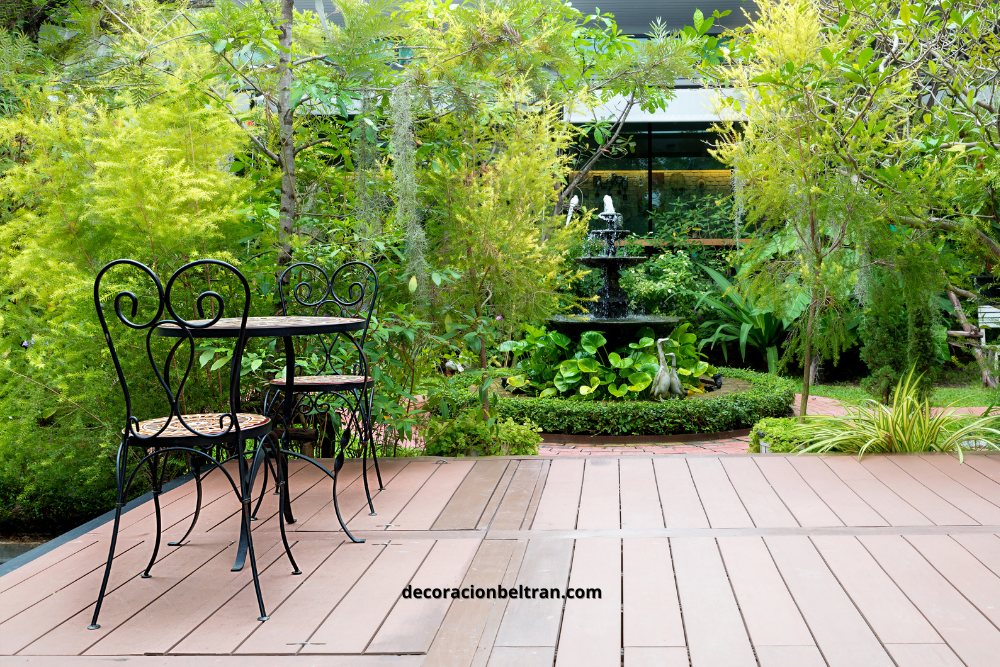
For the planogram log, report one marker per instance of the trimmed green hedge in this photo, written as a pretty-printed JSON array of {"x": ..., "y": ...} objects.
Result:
[{"x": 769, "y": 396}]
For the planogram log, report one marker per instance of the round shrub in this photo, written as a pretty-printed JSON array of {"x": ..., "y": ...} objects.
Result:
[{"x": 778, "y": 433}]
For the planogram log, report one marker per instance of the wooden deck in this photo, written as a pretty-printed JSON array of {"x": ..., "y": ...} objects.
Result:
[{"x": 706, "y": 561}]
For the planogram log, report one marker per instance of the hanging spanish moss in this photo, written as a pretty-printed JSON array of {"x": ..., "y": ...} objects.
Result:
[
  {"x": 371, "y": 201},
  {"x": 404, "y": 178}
]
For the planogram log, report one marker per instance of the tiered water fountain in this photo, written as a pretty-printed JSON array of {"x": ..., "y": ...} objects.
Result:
[{"x": 611, "y": 314}]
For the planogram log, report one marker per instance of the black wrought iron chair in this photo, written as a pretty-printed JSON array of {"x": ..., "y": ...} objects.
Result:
[
  {"x": 200, "y": 436},
  {"x": 334, "y": 380}
]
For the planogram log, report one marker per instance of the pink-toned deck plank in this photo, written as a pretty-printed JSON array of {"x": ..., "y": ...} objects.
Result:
[
  {"x": 217, "y": 661},
  {"x": 557, "y": 509},
  {"x": 840, "y": 631},
  {"x": 930, "y": 504},
  {"x": 73, "y": 567},
  {"x": 837, "y": 495},
  {"x": 599, "y": 501},
  {"x": 656, "y": 656},
  {"x": 302, "y": 612},
  {"x": 469, "y": 502},
  {"x": 45, "y": 614},
  {"x": 892, "y": 508},
  {"x": 716, "y": 634},
  {"x": 514, "y": 504},
  {"x": 522, "y": 656},
  {"x": 498, "y": 610},
  {"x": 396, "y": 496},
  {"x": 678, "y": 495},
  {"x": 640, "y": 499},
  {"x": 719, "y": 499},
  {"x": 967, "y": 476},
  {"x": 535, "y": 622},
  {"x": 411, "y": 625},
  {"x": 768, "y": 609},
  {"x": 427, "y": 504},
  {"x": 354, "y": 622},
  {"x": 987, "y": 464},
  {"x": 924, "y": 655},
  {"x": 800, "y": 499},
  {"x": 790, "y": 656},
  {"x": 536, "y": 495},
  {"x": 765, "y": 507},
  {"x": 651, "y": 613},
  {"x": 958, "y": 495},
  {"x": 189, "y": 598},
  {"x": 891, "y": 615},
  {"x": 499, "y": 492},
  {"x": 72, "y": 550},
  {"x": 591, "y": 632},
  {"x": 964, "y": 571},
  {"x": 457, "y": 641},
  {"x": 973, "y": 638},
  {"x": 230, "y": 625},
  {"x": 983, "y": 546},
  {"x": 315, "y": 511}
]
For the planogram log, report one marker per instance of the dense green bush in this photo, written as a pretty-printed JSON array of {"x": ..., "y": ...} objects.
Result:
[
  {"x": 779, "y": 435},
  {"x": 469, "y": 435},
  {"x": 769, "y": 396}
]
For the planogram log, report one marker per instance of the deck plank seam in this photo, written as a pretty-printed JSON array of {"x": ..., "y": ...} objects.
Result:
[
  {"x": 986, "y": 479},
  {"x": 347, "y": 592},
  {"x": 798, "y": 607},
  {"x": 952, "y": 584},
  {"x": 288, "y": 597},
  {"x": 944, "y": 639},
  {"x": 739, "y": 607},
  {"x": 919, "y": 458},
  {"x": 508, "y": 475},
  {"x": 408, "y": 581},
  {"x": 850, "y": 597}
]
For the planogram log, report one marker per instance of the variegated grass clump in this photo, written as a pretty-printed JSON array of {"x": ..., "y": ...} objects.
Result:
[{"x": 907, "y": 425}]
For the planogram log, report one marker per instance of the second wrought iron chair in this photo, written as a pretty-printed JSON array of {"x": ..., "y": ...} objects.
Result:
[{"x": 333, "y": 380}]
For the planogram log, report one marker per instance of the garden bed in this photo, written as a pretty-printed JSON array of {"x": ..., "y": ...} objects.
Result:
[{"x": 763, "y": 396}]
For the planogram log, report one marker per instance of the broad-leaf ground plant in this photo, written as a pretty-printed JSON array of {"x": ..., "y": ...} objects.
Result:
[{"x": 549, "y": 364}]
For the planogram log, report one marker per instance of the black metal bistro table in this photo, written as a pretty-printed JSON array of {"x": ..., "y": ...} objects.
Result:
[{"x": 270, "y": 327}]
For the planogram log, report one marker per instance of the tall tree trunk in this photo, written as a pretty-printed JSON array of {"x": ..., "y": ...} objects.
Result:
[
  {"x": 807, "y": 363},
  {"x": 286, "y": 132}
]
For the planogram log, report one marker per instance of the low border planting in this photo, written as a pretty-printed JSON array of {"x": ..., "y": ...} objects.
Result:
[{"x": 769, "y": 396}]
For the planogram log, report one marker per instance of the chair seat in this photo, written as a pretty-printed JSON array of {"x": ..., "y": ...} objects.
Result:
[
  {"x": 314, "y": 383},
  {"x": 207, "y": 424}
]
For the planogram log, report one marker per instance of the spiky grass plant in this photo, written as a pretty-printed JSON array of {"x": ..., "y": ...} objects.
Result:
[{"x": 907, "y": 425}]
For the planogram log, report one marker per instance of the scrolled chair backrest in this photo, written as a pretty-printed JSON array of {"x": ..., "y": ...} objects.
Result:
[
  {"x": 351, "y": 290},
  {"x": 209, "y": 306}
]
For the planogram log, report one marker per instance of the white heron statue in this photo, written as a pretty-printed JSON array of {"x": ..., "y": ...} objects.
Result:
[{"x": 667, "y": 384}]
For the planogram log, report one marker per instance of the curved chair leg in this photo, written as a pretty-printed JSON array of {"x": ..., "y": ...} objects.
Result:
[
  {"x": 196, "y": 469},
  {"x": 370, "y": 434},
  {"x": 157, "y": 489},
  {"x": 364, "y": 473},
  {"x": 253, "y": 560},
  {"x": 107, "y": 568},
  {"x": 119, "y": 504},
  {"x": 281, "y": 464},
  {"x": 281, "y": 508},
  {"x": 263, "y": 488}
]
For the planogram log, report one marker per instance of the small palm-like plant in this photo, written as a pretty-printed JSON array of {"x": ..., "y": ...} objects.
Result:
[
  {"x": 743, "y": 321},
  {"x": 905, "y": 426}
]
